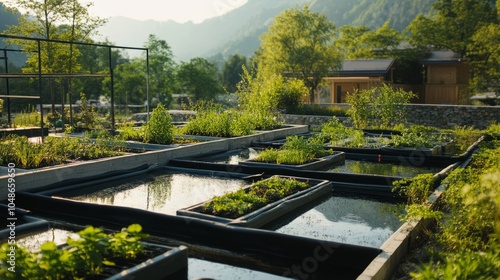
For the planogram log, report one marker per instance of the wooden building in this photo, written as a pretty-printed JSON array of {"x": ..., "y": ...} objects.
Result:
[
  {"x": 355, "y": 75},
  {"x": 446, "y": 79}
]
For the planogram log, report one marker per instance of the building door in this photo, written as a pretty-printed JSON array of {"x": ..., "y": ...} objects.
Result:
[{"x": 339, "y": 94}]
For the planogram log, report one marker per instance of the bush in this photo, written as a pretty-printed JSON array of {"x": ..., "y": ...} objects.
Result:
[
  {"x": 159, "y": 128},
  {"x": 214, "y": 120},
  {"x": 381, "y": 107}
]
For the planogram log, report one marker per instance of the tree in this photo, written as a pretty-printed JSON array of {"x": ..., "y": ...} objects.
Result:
[
  {"x": 198, "y": 78},
  {"x": 95, "y": 60},
  {"x": 453, "y": 26},
  {"x": 467, "y": 27},
  {"x": 362, "y": 42},
  {"x": 129, "y": 83},
  {"x": 65, "y": 20},
  {"x": 233, "y": 69},
  {"x": 299, "y": 44},
  {"x": 161, "y": 69}
]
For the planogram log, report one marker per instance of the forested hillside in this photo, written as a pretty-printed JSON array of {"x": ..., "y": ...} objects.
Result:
[{"x": 238, "y": 31}]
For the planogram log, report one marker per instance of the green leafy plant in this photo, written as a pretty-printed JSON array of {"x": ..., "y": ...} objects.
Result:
[
  {"x": 87, "y": 115},
  {"x": 83, "y": 257},
  {"x": 159, "y": 128},
  {"x": 27, "y": 118},
  {"x": 128, "y": 132},
  {"x": 381, "y": 107},
  {"x": 417, "y": 189},
  {"x": 463, "y": 137},
  {"x": 55, "y": 150},
  {"x": 126, "y": 243},
  {"x": 214, "y": 120},
  {"x": 296, "y": 150},
  {"x": 466, "y": 244},
  {"x": 241, "y": 202}
]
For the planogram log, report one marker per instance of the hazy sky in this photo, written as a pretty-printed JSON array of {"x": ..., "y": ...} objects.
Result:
[{"x": 163, "y": 10}]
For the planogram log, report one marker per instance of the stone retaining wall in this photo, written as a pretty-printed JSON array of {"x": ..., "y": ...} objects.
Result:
[{"x": 441, "y": 116}]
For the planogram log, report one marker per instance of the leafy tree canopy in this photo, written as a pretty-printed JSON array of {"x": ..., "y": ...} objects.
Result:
[
  {"x": 161, "y": 69},
  {"x": 198, "y": 78},
  {"x": 362, "y": 42},
  {"x": 300, "y": 44}
]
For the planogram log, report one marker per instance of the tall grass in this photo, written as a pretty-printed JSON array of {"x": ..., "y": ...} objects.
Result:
[
  {"x": 296, "y": 150},
  {"x": 27, "y": 118},
  {"x": 53, "y": 151}
]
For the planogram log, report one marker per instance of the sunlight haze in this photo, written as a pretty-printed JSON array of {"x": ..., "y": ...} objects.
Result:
[{"x": 163, "y": 10}]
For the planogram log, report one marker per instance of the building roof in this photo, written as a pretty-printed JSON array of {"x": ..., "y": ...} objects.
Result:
[
  {"x": 442, "y": 57},
  {"x": 365, "y": 67}
]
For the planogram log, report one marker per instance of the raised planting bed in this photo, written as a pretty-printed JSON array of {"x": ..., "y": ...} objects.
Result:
[
  {"x": 337, "y": 158},
  {"x": 260, "y": 203},
  {"x": 92, "y": 254},
  {"x": 437, "y": 150},
  {"x": 24, "y": 131},
  {"x": 403, "y": 168}
]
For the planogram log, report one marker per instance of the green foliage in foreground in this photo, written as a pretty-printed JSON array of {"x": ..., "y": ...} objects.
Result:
[
  {"x": 467, "y": 242},
  {"x": 296, "y": 150},
  {"x": 54, "y": 150},
  {"x": 84, "y": 257},
  {"x": 241, "y": 202}
]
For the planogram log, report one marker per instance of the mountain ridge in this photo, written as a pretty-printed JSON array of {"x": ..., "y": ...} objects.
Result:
[{"x": 238, "y": 31}]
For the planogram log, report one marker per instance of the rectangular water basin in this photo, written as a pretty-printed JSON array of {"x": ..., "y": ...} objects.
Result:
[
  {"x": 345, "y": 219},
  {"x": 382, "y": 169},
  {"x": 160, "y": 191}
]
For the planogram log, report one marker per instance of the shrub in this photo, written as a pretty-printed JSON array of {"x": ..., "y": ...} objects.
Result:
[
  {"x": 87, "y": 115},
  {"x": 159, "y": 128},
  {"x": 213, "y": 120},
  {"x": 381, "y": 107}
]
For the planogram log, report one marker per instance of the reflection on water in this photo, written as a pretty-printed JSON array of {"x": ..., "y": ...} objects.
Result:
[
  {"x": 58, "y": 236},
  {"x": 233, "y": 157},
  {"x": 202, "y": 269},
  {"x": 384, "y": 169},
  {"x": 345, "y": 219},
  {"x": 164, "y": 193}
]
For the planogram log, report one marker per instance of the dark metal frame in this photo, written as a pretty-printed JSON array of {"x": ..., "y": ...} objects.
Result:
[{"x": 40, "y": 75}]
